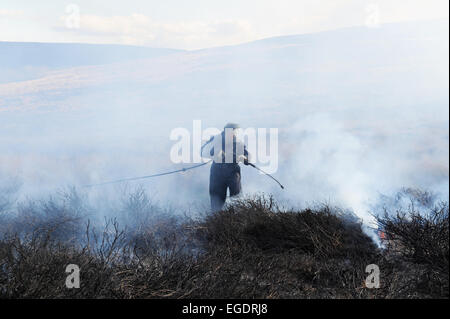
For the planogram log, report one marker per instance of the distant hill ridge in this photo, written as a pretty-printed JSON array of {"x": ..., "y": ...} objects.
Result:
[{"x": 62, "y": 55}]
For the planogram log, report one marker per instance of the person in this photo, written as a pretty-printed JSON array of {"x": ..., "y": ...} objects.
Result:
[{"x": 227, "y": 151}]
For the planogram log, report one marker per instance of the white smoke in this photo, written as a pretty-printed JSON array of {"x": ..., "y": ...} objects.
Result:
[{"x": 360, "y": 113}]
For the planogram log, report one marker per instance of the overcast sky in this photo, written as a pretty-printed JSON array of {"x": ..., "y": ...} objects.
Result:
[{"x": 197, "y": 24}]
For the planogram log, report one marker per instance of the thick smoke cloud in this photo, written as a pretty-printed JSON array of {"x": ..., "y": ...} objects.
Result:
[{"x": 360, "y": 112}]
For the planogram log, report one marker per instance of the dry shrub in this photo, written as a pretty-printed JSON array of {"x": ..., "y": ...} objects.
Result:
[
  {"x": 251, "y": 249},
  {"x": 418, "y": 244}
]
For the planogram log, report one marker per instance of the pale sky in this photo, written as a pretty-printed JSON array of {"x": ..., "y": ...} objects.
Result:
[{"x": 197, "y": 24}]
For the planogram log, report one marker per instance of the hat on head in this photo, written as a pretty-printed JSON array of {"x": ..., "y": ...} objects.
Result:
[{"x": 232, "y": 125}]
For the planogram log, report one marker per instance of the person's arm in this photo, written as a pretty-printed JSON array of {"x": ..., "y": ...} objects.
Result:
[
  {"x": 246, "y": 156},
  {"x": 211, "y": 152},
  {"x": 242, "y": 156}
]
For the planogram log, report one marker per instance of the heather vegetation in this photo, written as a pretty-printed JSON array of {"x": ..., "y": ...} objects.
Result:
[{"x": 254, "y": 248}]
